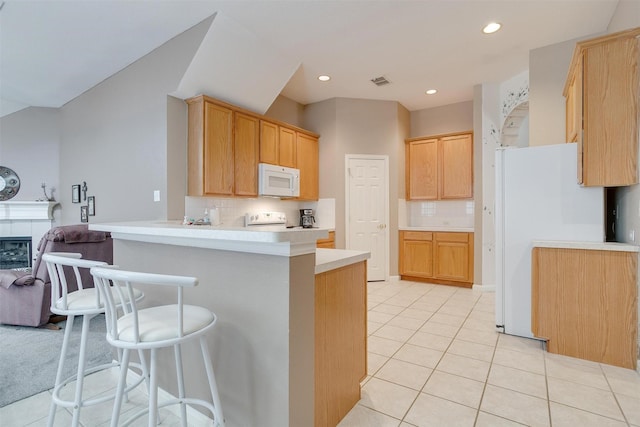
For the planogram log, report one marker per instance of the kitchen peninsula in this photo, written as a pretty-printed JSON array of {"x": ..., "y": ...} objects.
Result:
[{"x": 271, "y": 348}]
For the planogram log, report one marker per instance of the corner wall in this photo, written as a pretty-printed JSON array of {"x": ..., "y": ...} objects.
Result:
[
  {"x": 438, "y": 120},
  {"x": 357, "y": 126},
  {"x": 115, "y": 137},
  {"x": 29, "y": 145}
]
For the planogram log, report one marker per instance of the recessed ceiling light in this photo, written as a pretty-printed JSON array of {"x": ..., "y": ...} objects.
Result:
[
  {"x": 491, "y": 27},
  {"x": 324, "y": 78},
  {"x": 432, "y": 91}
]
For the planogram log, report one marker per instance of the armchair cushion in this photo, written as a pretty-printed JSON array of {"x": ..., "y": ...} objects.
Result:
[{"x": 14, "y": 277}]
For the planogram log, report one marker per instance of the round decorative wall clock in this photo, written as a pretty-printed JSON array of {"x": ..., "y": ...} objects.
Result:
[{"x": 9, "y": 183}]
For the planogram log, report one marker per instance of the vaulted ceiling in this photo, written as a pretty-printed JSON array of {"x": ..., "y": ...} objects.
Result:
[{"x": 52, "y": 51}]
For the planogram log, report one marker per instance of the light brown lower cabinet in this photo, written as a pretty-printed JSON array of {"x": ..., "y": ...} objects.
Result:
[
  {"x": 437, "y": 257},
  {"x": 329, "y": 242},
  {"x": 340, "y": 341},
  {"x": 584, "y": 302}
]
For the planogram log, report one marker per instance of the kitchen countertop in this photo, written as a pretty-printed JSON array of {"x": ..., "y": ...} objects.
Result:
[
  {"x": 330, "y": 259},
  {"x": 595, "y": 246},
  {"x": 270, "y": 239},
  {"x": 444, "y": 228}
]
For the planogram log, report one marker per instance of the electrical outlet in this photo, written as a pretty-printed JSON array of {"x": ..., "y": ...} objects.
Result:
[
  {"x": 632, "y": 235},
  {"x": 156, "y": 195}
]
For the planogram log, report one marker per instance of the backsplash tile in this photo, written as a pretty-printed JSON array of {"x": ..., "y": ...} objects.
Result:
[
  {"x": 440, "y": 213},
  {"x": 233, "y": 210}
]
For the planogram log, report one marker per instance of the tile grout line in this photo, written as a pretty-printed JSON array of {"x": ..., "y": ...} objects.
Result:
[
  {"x": 440, "y": 359},
  {"x": 546, "y": 384},
  {"x": 486, "y": 381},
  {"x": 606, "y": 378},
  {"x": 406, "y": 341}
]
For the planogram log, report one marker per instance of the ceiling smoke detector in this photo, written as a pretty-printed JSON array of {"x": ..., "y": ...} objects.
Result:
[{"x": 380, "y": 81}]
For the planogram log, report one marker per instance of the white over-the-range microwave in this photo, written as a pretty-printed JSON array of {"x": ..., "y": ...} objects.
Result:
[{"x": 278, "y": 181}]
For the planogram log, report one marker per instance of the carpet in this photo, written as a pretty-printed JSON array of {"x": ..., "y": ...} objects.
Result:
[{"x": 29, "y": 356}]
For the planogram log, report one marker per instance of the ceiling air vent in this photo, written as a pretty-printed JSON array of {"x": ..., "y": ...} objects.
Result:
[{"x": 380, "y": 81}]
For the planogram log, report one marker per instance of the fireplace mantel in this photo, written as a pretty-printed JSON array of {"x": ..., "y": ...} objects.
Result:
[{"x": 25, "y": 210}]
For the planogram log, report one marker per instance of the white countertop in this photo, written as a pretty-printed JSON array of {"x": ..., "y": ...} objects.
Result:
[
  {"x": 271, "y": 240},
  {"x": 444, "y": 228},
  {"x": 330, "y": 259},
  {"x": 596, "y": 246}
]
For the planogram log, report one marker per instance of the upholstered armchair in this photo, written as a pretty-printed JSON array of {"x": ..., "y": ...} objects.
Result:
[{"x": 25, "y": 297}]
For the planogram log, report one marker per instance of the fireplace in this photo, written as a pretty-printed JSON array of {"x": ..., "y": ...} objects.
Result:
[
  {"x": 22, "y": 225},
  {"x": 15, "y": 252}
]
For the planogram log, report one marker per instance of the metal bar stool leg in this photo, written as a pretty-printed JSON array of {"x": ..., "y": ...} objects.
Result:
[
  {"x": 122, "y": 381},
  {"x": 63, "y": 355},
  {"x": 183, "y": 406},
  {"x": 217, "y": 406},
  {"x": 153, "y": 389},
  {"x": 82, "y": 361}
]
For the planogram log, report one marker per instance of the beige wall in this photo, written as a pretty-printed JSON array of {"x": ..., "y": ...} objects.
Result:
[
  {"x": 286, "y": 110},
  {"x": 356, "y": 126},
  {"x": 477, "y": 186},
  {"x": 626, "y": 15},
  {"x": 548, "y": 68},
  {"x": 446, "y": 119},
  {"x": 176, "y": 158},
  {"x": 116, "y": 138},
  {"x": 30, "y": 146}
]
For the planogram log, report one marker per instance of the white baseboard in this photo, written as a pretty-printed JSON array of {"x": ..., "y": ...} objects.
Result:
[
  {"x": 394, "y": 278},
  {"x": 484, "y": 288}
]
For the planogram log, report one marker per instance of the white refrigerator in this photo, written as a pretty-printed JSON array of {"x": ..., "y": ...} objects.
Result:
[{"x": 537, "y": 198}]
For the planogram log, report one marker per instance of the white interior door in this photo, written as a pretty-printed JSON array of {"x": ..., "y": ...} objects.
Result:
[{"x": 367, "y": 211}]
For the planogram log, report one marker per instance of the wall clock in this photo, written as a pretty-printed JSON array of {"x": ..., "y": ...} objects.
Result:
[{"x": 9, "y": 183}]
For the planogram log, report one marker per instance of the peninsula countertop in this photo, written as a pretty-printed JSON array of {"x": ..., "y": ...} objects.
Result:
[
  {"x": 272, "y": 240},
  {"x": 330, "y": 259}
]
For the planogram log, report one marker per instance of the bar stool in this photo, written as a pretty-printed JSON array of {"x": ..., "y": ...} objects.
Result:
[
  {"x": 154, "y": 328},
  {"x": 85, "y": 302}
]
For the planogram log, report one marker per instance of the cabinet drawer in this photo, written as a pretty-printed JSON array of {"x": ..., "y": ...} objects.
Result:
[
  {"x": 417, "y": 235},
  {"x": 453, "y": 237}
]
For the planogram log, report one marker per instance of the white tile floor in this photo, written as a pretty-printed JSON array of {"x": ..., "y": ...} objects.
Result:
[{"x": 435, "y": 360}]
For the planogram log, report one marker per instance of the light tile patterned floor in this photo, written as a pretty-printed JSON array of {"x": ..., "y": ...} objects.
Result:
[{"x": 436, "y": 360}]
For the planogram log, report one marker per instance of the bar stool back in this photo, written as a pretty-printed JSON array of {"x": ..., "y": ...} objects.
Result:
[
  {"x": 154, "y": 328},
  {"x": 85, "y": 302}
]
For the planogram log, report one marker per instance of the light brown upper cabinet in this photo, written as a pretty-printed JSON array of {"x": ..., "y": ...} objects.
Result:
[
  {"x": 245, "y": 154},
  {"x": 210, "y": 149},
  {"x": 226, "y": 143},
  {"x": 222, "y": 150},
  {"x": 601, "y": 94},
  {"x": 268, "y": 142},
  {"x": 277, "y": 144},
  {"x": 287, "y": 147},
  {"x": 307, "y": 158},
  {"x": 439, "y": 167}
]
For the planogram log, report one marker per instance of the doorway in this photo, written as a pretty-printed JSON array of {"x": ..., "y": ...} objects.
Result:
[{"x": 367, "y": 210}]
